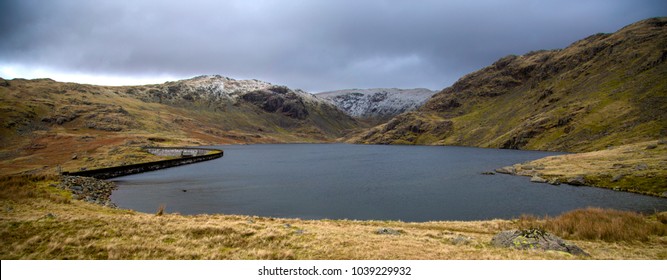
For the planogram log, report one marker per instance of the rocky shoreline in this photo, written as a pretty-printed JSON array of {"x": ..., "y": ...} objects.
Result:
[
  {"x": 533, "y": 171},
  {"x": 89, "y": 189},
  {"x": 598, "y": 175},
  {"x": 536, "y": 177}
]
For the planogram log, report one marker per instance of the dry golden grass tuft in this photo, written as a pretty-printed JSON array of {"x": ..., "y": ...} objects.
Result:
[
  {"x": 662, "y": 217},
  {"x": 599, "y": 224},
  {"x": 31, "y": 187},
  {"x": 160, "y": 210},
  {"x": 34, "y": 225}
]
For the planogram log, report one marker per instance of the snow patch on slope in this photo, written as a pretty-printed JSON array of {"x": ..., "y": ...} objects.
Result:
[
  {"x": 224, "y": 87},
  {"x": 377, "y": 103}
]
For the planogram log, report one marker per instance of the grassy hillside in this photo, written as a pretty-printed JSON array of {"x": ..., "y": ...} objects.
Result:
[
  {"x": 607, "y": 89},
  {"x": 48, "y": 126},
  {"x": 40, "y": 221}
]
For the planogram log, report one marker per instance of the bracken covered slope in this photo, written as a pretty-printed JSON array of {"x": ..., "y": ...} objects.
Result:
[
  {"x": 607, "y": 89},
  {"x": 47, "y": 125}
]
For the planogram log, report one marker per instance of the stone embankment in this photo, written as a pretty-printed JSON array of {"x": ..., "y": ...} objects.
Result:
[
  {"x": 89, "y": 189},
  {"x": 88, "y": 186},
  {"x": 186, "y": 156}
]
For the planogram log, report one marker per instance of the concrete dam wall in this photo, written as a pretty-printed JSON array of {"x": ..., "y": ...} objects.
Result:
[
  {"x": 186, "y": 156},
  {"x": 176, "y": 151}
]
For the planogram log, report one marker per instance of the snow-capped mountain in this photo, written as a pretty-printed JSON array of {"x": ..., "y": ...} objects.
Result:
[
  {"x": 249, "y": 103},
  {"x": 377, "y": 103}
]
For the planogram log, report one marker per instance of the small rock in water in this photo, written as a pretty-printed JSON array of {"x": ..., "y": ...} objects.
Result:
[
  {"x": 506, "y": 170},
  {"x": 184, "y": 190},
  {"x": 577, "y": 181},
  {"x": 538, "y": 179},
  {"x": 488, "y": 173},
  {"x": 554, "y": 182}
]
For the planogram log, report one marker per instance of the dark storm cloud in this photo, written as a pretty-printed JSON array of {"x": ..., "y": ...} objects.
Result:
[{"x": 315, "y": 45}]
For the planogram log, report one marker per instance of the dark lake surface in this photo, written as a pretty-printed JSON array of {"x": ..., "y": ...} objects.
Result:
[{"x": 341, "y": 181}]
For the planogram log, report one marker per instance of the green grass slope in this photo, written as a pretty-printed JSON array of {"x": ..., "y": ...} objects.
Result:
[{"x": 607, "y": 89}]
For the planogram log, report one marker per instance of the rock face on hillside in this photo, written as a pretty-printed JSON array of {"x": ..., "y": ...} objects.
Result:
[
  {"x": 607, "y": 89},
  {"x": 380, "y": 104}
]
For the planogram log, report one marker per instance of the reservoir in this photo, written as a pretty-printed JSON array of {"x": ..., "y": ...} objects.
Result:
[{"x": 363, "y": 182}]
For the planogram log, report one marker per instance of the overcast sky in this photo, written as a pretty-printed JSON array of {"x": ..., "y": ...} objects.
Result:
[{"x": 312, "y": 45}]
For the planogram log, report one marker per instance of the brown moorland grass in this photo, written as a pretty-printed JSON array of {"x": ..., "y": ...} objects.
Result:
[
  {"x": 39, "y": 221},
  {"x": 599, "y": 224}
]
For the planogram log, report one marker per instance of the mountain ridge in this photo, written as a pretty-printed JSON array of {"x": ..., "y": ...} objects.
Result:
[
  {"x": 377, "y": 104},
  {"x": 606, "y": 89}
]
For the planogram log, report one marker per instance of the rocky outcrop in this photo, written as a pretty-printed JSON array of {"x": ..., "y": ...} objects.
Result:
[
  {"x": 278, "y": 99},
  {"x": 535, "y": 239}
]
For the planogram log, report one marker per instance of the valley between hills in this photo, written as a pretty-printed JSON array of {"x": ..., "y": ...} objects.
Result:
[{"x": 603, "y": 99}]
